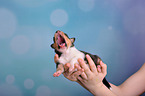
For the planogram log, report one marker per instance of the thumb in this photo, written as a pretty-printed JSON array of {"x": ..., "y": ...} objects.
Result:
[{"x": 104, "y": 68}]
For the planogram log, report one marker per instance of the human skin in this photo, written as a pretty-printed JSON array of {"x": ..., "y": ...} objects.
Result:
[{"x": 91, "y": 79}]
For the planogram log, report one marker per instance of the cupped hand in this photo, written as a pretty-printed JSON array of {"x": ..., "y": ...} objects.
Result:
[
  {"x": 69, "y": 72},
  {"x": 92, "y": 75},
  {"x": 72, "y": 74}
]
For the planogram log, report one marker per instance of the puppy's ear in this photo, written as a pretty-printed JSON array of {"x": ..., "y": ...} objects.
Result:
[
  {"x": 72, "y": 40},
  {"x": 52, "y": 46}
]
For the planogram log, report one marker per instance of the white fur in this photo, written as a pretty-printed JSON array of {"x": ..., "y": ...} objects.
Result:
[{"x": 70, "y": 55}]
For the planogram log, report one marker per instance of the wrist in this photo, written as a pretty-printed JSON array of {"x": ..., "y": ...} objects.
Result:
[
  {"x": 95, "y": 88},
  {"x": 99, "y": 85}
]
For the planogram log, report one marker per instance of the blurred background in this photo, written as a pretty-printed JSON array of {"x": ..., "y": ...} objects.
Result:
[{"x": 112, "y": 29}]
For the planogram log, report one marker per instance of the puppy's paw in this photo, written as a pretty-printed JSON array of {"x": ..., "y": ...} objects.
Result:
[{"x": 58, "y": 73}]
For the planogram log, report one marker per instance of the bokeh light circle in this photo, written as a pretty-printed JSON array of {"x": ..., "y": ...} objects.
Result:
[
  {"x": 8, "y": 23},
  {"x": 59, "y": 17},
  {"x": 43, "y": 91},
  {"x": 9, "y": 90},
  {"x": 86, "y": 5},
  {"x": 10, "y": 79},
  {"x": 33, "y": 3},
  {"x": 20, "y": 44},
  {"x": 28, "y": 83},
  {"x": 109, "y": 27}
]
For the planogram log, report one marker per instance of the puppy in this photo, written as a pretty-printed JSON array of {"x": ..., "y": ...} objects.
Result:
[{"x": 64, "y": 47}]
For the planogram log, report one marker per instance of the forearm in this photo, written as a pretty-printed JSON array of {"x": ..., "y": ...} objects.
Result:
[
  {"x": 116, "y": 90},
  {"x": 101, "y": 90},
  {"x": 82, "y": 85}
]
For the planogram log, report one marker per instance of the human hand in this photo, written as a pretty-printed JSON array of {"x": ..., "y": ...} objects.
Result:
[
  {"x": 69, "y": 72},
  {"x": 92, "y": 77},
  {"x": 72, "y": 74}
]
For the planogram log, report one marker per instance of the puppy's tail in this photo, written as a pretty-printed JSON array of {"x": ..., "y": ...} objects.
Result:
[{"x": 106, "y": 83}]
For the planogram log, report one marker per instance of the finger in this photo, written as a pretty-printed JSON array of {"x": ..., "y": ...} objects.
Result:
[
  {"x": 77, "y": 73},
  {"x": 84, "y": 76},
  {"x": 73, "y": 74},
  {"x": 91, "y": 64},
  {"x": 85, "y": 67},
  {"x": 104, "y": 68},
  {"x": 67, "y": 73},
  {"x": 98, "y": 61},
  {"x": 66, "y": 66},
  {"x": 70, "y": 72},
  {"x": 77, "y": 66},
  {"x": 80, "y": 79},
  {"x": 71, "y": 69},
  {"x": 99, "y": 68},
  {"x": 56, "y": 58}
]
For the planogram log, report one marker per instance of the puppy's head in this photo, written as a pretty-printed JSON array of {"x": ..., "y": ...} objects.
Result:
[{"x": 62, "y": 41}]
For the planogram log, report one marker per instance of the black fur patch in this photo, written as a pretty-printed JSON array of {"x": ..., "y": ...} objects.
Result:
[
  {"x": 54, "y": 39},
  {"x": 57, "y": 52},
  {"x": 57, "y": 63},
  {"x": 94, "y": 57},
  {"x": 66, "y": 35},
  {"x": 72, "y": 45}
]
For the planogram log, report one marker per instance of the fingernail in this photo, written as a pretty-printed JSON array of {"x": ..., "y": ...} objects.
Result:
[
  {"x": 100, "y": 62},
  {"x": 80, "y": 60},
  {"x": 87, "y": 55}
]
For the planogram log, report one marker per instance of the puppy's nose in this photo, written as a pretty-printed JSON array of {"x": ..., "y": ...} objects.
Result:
[{"x": 58, "y": 31}]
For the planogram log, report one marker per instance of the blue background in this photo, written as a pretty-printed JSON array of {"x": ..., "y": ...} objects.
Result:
[{"x": 112, "y": 29}]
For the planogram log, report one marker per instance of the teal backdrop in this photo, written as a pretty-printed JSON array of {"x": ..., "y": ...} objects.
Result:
[{"x": 112, "y": 29}]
